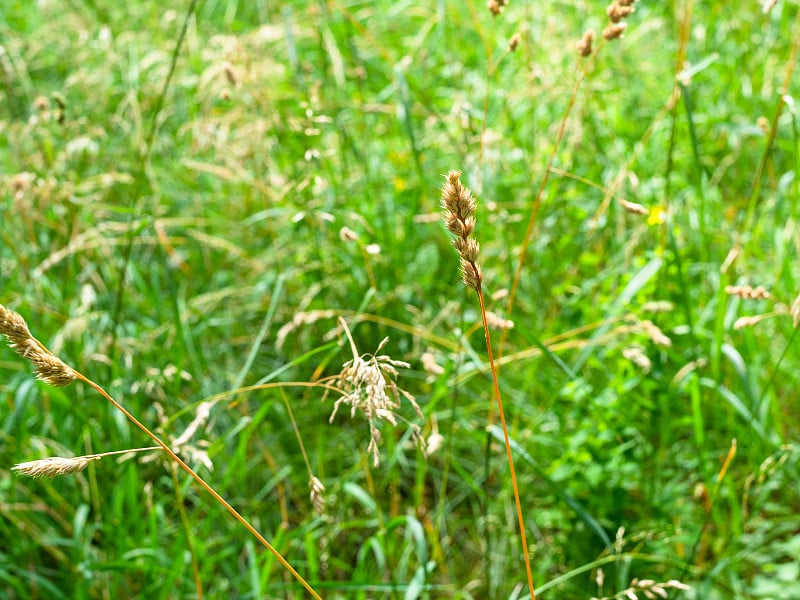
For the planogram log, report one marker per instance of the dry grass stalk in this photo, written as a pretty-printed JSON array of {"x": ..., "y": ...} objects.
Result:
[
  {"x": 795, "y": 311},
  {"x": 459, "y": 217},
  {"x": 367, "y": 384},
  {"x": 49, "y": 368}
]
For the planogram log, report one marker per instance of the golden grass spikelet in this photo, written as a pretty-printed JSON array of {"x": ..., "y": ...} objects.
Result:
[
  {"x": 637, "y": 356},
  {"x": 430, "y": 365},
  {"x": 634, "y": 207},
  {"x": 747, "y": 292},
  {"x": 617, "y": 11},
  {"x": 54, "y": 466},
  {"x": 654, "y": 332},
  {"x": 459, "y": 217},
  {"x": 614, "y": 30},
  {"x": 347, "y": 235},
  {"x": 497, "y": 322},
  {"x": 317, "y": 495},
  {"x": 58, "y": 465},
  {"x": 795, "y": 311},
  {"x": 13, "y": 326},
  {"x": 584, "y": 45},
  {"x": 658, "y": 306},
  {"x": 49, "y": 368},
  {"x": 496, "y": 6},
  {"x": 748, "y": 321}
]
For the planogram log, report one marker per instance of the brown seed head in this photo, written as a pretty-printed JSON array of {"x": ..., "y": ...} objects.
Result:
[
  {"x": 584, "y": 44},
  {"x": 13, "y": 326},
  {"x": 49, "y": 368},
  {"x": 747, "y": 292},
  {"x": 614, "y": 30},
  {"x": 41, "y": 103},
  {"x": 617, "y": 11},
  {"x": 459, "y": 217},
  {"x": 513, "y": 42},
  {"x": 496, "y": 6}
]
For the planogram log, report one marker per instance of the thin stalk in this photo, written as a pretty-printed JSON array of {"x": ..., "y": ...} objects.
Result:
[
  {"x": 526, "y": 241},
  {"x": 508, "y": 446},
  {"x": 459, "y": 218},
  {"x": 749, "y": 225},
  {"x": 200, "y": 481},
  {"x": 145, "y": 157},
  {"x": 187, "y": 530}
]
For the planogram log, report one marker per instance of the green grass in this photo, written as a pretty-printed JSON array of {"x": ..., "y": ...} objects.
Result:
[{"x": 160, "y": 244}]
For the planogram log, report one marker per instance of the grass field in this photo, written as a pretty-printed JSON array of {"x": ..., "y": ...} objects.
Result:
[{"x": 194, "y": 194}]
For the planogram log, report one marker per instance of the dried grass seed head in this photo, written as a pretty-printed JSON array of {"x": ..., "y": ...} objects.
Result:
[
  {"x": 459, "y": 216},
  {"x": 747, "y": 292},
  {"x": 584, "y": 45},
  {"x": 614, "y": 30},
  {"x": 317, "y": 494},
  {"x": 49, "y": 368},
  {"x": 459, "y": 206},
  {"x": 53, "y": 467},
  {"x": 617, "y": 11},
  {"x": 367, "y": 384},
  {"x": 496, "y": 6},
  {"x": 634, "y": 207},
  {"x": 13, "y": 326}
]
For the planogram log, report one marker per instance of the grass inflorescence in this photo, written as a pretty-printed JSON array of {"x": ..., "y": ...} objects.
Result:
[{"x": 221, "y": 212}]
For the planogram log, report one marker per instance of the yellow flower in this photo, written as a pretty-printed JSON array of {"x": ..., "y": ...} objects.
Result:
[{"x": 658, "y": 215}]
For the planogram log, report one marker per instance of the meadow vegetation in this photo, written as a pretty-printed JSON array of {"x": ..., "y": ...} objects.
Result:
[{"x": 219, "y": 211}]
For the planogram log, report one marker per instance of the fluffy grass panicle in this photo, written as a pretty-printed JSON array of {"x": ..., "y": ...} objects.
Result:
[{"x": 367, "y": 384}]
